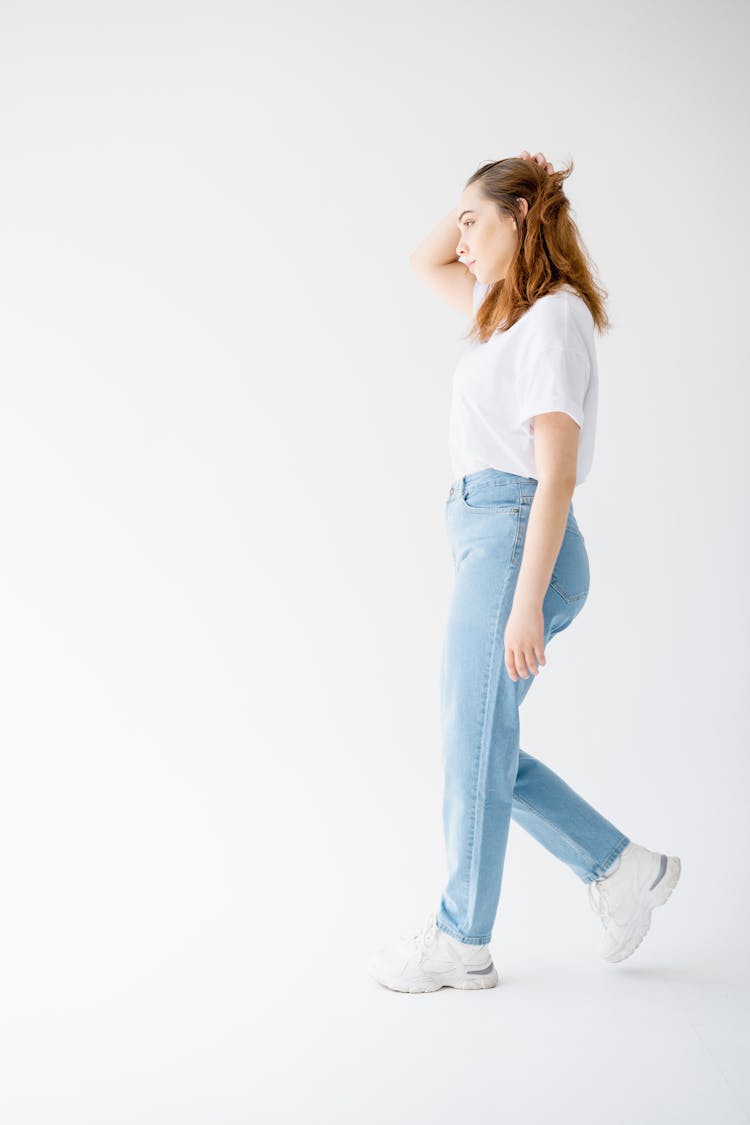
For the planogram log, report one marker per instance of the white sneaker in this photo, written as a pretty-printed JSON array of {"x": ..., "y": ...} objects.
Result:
[
  {"x": 431, "y": 959},
  {"x": 624, "y": 900}
]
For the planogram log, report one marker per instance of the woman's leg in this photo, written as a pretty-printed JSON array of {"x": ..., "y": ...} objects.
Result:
[
  {"x": 479, "y": 718},
  {"x": 559, "y": 819},
  {"x": 543, "y": 804},
  {"x": 488, "y": 778}
]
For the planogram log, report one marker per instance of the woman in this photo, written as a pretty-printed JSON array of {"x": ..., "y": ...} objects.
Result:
[{"x": 523, "y": 417}]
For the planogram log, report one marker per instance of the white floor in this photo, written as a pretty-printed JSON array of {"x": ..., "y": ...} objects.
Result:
[
  {"x": 654, "y": 1040},
  {"x": 171, "y": 955},
  {"x": 137, "y": 1020}
]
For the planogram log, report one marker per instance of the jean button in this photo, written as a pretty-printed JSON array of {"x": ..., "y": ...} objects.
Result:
[{"x": 451, "y": 492}]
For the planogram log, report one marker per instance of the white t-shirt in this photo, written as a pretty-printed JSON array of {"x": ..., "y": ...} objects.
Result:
[{"x": 546, "y": 361}]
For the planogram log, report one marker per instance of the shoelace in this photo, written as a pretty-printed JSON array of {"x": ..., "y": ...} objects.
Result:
[
  {"x": 599, "y": 901},
  {"x": 425, "y": 937}
]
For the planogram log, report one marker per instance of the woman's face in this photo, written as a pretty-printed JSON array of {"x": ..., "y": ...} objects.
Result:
[{"x": 488, "y": 239}]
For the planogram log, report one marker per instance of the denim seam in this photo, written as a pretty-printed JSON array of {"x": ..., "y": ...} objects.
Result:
[
  {"x": 483, "y": 748},
  {"x": 454, "y": 933},
  {"x": 567, "y": 598},
  {"x": 619, "y": 847},
  {"x": 514, "y": 556},
  {"x": 486, "y": 509}
]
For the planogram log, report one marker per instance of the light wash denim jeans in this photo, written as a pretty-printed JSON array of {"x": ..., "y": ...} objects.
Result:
[{"x": 488, "y": 778}]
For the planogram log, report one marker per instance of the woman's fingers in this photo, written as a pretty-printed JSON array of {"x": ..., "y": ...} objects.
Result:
[
  {"x": 540, "y": 158},
  {"x": 526, "y": 663},
  {"x": 516, "y": 665}
]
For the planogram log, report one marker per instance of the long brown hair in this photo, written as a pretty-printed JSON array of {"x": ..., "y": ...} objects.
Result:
[{"x": 550, "y": 251}]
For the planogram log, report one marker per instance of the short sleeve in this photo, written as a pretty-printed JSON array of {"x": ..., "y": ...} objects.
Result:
[
  {"x": 480, "y": 292},
  {"x": 555, "y": 379}
]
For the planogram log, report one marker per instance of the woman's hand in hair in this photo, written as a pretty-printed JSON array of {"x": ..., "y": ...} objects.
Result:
[{"x": 540, "y": 158}]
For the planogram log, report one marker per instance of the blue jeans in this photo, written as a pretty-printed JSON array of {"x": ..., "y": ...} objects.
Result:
[{"x": 488, "y": 779}]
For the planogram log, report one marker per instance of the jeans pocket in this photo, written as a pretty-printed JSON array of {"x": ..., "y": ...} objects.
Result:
[
  {"x": 491, "y": 496},
  {"x": 571, "y": 575}
]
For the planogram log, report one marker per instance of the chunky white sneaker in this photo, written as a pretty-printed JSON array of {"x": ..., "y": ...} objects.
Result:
[
  {"x": 430, "y": 959},
  {"x": 624, "y": 900}
]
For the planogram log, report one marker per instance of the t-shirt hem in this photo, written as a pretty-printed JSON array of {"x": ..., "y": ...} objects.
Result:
[{"x": 565, "y": 406}]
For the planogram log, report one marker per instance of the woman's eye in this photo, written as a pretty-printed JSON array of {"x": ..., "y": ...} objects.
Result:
[{"x": 468, "y": 222}]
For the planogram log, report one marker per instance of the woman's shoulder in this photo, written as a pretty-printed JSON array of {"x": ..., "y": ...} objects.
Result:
[
  {"x": 558, "y": 298},
  {"x": 562, "y": 317},
  {"x": 563, "y": 302},
  {"x": 559, "y": 317}
]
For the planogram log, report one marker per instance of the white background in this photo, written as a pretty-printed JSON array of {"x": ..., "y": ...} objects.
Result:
[{"x": 225, "y": 577}]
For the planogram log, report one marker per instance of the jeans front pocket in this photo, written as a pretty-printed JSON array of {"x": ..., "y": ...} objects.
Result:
[
  {"x": 571, "y": 575},
  {"x": 488, "y": 496}
]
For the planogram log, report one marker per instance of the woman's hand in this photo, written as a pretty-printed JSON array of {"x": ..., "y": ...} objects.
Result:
[
  {"x": 524, "y": 641},
  {"x": 540, "y": 158}
]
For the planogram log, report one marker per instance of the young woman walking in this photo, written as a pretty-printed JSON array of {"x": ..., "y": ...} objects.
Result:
[{"x": 522, "y": 424}]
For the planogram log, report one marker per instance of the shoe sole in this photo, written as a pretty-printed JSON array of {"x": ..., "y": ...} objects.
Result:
[
  {"x": 398, "y": 984},
  {"x": 641, "y": 926}
]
